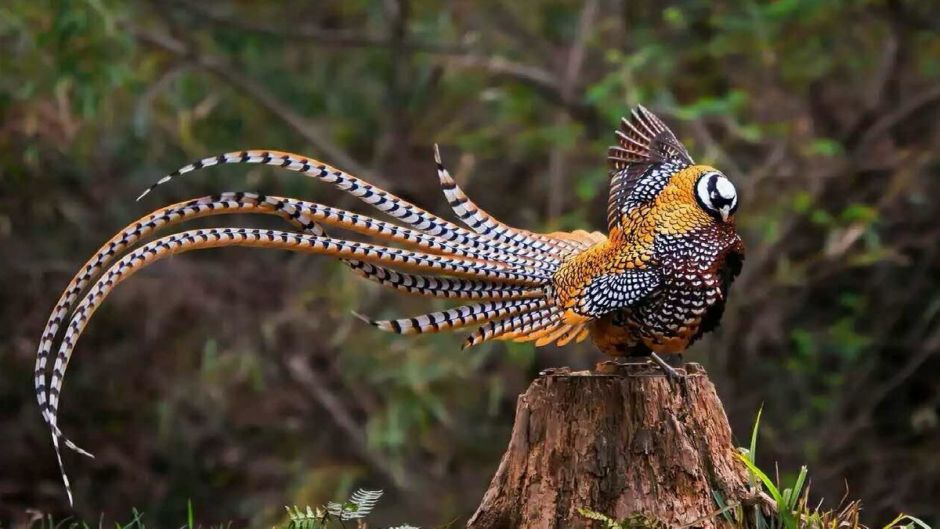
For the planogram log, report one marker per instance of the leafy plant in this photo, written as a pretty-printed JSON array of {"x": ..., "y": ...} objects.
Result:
[
  {"x": 791, "y": 509},
  {"x": 787, "y": 500}
]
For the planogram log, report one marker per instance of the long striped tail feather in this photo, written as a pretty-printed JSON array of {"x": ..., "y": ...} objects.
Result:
[
  {"x": 380, "y": 199},
  {"x": 220, "y": 237},
  {"x": 226, "y": 203},
  {"x": 457, "y": 317},
  {"x": 160, "y": 219},
  {"x": 441, "y": 287},
  {"x": 485, "y": 224},
  {"x": 548, "y": 335},
  {"x": 295, "y": 212},
  {"x": 508, "y": 328}
]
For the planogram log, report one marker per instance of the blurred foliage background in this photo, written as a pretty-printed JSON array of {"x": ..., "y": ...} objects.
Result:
[{"x": 237, "y": 379}]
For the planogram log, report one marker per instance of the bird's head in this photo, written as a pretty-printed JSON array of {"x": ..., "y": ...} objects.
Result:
[
  {"x": 654, "y": 179},
  {"x": 716, "y": 194}
]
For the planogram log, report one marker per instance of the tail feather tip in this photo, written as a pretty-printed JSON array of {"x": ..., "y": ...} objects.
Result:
[
  {"x": 437, "y": 158},
  {"x": 81, "y": 451},
  {"x": 364, "y": 318}
]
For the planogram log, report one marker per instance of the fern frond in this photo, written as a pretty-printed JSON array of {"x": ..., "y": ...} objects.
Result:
[
  {"x": 358, "y": 506},
  {"x": 365, "y": 500}
]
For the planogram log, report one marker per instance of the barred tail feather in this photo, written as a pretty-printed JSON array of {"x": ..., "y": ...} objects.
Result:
[
  {"x": 162, "y": 218},
  {"x": 441, "y": 287},
  {"x": 456, "y": 318},
  {"x": 395, "y": 233},
  {"x": 219, "y": 237},
  {"x": 485, "y": 224},
  {"x": 550, "y": 335},
  {"x": 226, "y": 203},
  {"x": 507, "y": 328},
  {"x": 376, "y": 197},
  {"x": 575, "y": 332}
]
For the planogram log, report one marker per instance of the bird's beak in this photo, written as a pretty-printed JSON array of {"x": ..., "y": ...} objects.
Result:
[{"x": 725, "y": 213}]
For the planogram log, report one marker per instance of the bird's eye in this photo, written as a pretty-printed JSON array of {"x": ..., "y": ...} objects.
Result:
[{"x": 716, "y": 195}]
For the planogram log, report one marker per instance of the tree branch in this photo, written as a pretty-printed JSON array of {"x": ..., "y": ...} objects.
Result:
[
  {"x": 231, "y": 74},
  {"x": 567, "y": 87},
  {"x": 539, "y": 79}
]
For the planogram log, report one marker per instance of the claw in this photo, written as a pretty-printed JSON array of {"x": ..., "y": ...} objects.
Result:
[{"x": 668, "y": 370}]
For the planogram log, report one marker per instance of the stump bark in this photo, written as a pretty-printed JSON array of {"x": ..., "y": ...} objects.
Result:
[{"x": 623, "y": 441}]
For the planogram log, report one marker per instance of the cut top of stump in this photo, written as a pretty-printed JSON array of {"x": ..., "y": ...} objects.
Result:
[{"x": 610, "y": 368}]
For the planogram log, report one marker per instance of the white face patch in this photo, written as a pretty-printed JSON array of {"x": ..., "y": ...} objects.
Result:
[
  {"x": 725, "y": 188},
  {"x": 716, "y": 195}
]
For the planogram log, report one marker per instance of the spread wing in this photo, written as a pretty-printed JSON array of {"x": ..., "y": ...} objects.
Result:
[{"x": 645, "y": 144}]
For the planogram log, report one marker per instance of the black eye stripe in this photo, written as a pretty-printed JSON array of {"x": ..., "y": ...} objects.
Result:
[{"x": 712, "y": 186}]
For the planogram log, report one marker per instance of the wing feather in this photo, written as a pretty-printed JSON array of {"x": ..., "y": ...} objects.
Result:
[{"x": 643, "y": 141}]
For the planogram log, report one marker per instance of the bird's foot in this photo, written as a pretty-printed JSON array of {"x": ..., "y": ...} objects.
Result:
[{"x": 671, "y": 373}]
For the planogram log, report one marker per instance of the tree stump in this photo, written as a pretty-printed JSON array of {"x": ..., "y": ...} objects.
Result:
[{"x": 621, "y": 441}]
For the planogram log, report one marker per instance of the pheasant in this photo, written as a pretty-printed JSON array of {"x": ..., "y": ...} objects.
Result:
[{"x": 653, "y": 285}]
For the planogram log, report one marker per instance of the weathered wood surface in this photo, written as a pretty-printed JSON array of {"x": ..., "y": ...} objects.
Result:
[{"x": 620, "y": 440}]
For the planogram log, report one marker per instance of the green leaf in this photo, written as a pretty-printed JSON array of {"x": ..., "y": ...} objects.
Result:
[
  {"x": 768, "y": 484},
  {"x": 674, "y": 17},
  {"x": 826, "y": 147},
  {"x": 802, "y": 202},
  {"x": 720, "y": 501},
  {"x": 785, "y": 513},
  {"x": 859, "y": 213},
  {"x": 752, "y": 448},
  {"x": 914, "y": 521},
  {"x": 798, "y": 487}
]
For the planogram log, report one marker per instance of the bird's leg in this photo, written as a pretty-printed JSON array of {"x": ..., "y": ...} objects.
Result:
[{"x": 668, "y": 370}]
